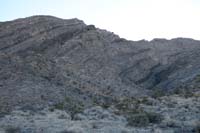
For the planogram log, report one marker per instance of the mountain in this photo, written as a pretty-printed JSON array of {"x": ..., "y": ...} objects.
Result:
[{"x": 45, "y": 60}]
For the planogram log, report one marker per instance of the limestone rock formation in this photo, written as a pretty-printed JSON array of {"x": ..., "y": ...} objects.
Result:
[{"x": 48, "y": 62}]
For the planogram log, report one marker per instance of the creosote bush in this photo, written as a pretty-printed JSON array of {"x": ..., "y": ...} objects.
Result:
[
  {"x": 142, "y": 119},
  {"x": 70, "y": 106},
  {"x": 135, "y": 115},
  {"x": 138, "y": 120},
  {"x": 197, "y": 128},
  {"x": 13, "y": 130},
  {"x": 198, "y": 78},
  {"x": 154, "y": 117},
  {"x": 183, "y": 91},
  {"x": 158, "y": 93}
]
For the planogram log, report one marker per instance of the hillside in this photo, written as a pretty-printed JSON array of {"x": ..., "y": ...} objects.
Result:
[{"x": 52, "y": 63}]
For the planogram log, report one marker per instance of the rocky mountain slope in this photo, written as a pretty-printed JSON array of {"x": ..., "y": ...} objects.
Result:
[{"x": 47, "y": 62}]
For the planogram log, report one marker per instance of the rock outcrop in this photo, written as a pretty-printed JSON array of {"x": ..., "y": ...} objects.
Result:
[{"x": 48, "y": 62}]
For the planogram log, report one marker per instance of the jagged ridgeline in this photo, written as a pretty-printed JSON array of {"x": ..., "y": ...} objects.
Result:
[
  {"x": 44, "y": 60},
  {"x": 63, "y": 76}
]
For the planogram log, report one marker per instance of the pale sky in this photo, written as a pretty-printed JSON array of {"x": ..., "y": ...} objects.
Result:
[{"x": 130, "y": 19}]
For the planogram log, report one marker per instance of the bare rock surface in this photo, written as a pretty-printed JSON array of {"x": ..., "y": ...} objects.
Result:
[{"x": 48, "y": 62}]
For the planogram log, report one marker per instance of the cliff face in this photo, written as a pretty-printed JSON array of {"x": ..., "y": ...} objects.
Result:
[{"x": 44, "y": 59}]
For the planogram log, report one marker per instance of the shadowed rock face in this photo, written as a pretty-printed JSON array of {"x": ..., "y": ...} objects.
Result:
[{"x": 44, "y": 59}]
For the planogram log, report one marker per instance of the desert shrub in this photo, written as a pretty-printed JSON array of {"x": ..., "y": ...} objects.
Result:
[
  {"x": 74, "y": 109},
  {"x": 103, "y": 101},
  {"x": 13, "y": 130},
  {"x": 158, "y": 93},
  {"x": 4, "y": 109},
  {"x": 128, "y": 105},
  {"x": 198, "y": 78},
  {"x": 154, "y": 117},
  {"x": 71, "y": 106},
  {"x": 184, "y": 91},
  {"x": 105, "y": 105},
  {"x": 145, "y": 100},
  {"x": 66, "y": 131},
  {"x": 197, "y": 130},
  {"x": 197, "y": 127},
  {"x": 138, "y": 120},
  {"x": 142, "y": 119},
  {"x": 135, "y": 115},
  {"x": 59, "y": 106}
]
